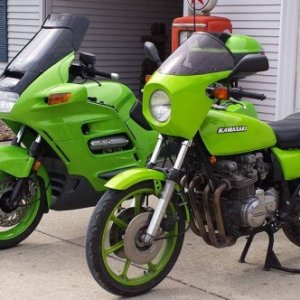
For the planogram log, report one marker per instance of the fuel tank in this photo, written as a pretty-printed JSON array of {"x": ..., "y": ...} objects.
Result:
[{"x": 229, "y": 133}]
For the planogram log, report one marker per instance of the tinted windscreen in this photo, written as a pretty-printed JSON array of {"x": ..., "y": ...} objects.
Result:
[
  {"x": 47, "y": 48},
  {"x": 200, "y": 54}
]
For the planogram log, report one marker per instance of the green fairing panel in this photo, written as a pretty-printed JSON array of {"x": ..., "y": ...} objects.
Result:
[
  {"x": 184, "y": 91},
  {"x": 128, "y": 178},
  {"x": 243, "y": 107},
  {"x": 102, "y": 108},
  {"x": 289, "y": 161},
  {"x": 239, "y": 43},
  {"x": 228, "y": 133}
]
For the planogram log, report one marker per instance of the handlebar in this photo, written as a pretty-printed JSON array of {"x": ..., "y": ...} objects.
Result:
[
  {"x": 238, "y": 93},
  {"x": 113, "y": 76}
]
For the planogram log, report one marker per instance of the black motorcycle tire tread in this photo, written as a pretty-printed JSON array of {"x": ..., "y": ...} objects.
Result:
[
  {"x": 292, "y": 233},
  {"x": 17, "y": 240},
  {"x": 94, "y": 259}
]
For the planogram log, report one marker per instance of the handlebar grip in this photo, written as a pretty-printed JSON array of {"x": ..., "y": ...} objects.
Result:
[
  {"x": 113, "y": 76},
  {"x": 239, "y": 93}
]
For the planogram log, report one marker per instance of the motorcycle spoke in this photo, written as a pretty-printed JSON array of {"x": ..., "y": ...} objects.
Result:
[
  {"x": 125, "y": 269},
  {"x": 152, "y": 267},
  {"x": 119, "y": 222},
  {"x": 114, "y": 248},
  {"x": 137, "y": 204}
]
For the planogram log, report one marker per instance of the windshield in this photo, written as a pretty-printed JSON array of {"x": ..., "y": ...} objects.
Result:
[
  {"x": 202, "y": 53},
  {"x": 48, "y": 47}
]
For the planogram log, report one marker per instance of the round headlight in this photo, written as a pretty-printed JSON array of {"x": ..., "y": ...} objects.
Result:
[{"x": 160, "y": 106}]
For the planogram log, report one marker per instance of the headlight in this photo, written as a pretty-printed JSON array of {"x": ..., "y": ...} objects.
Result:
[
  {"x": 160, "y": 106},
  {"x": 7, "y": 101}
]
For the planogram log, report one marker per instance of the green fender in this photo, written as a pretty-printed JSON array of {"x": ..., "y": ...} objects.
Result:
[
  {"x": 128, "y": 178},
  {"x": 16, "y": 162},
  {"x": 131, "y": 177}
]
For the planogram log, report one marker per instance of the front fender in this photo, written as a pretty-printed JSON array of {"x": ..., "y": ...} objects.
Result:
[
  {"x": 16, "y": 162},
  {"x": 128, "y": 178}
]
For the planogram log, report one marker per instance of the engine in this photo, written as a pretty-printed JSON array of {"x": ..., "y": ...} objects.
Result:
[{"x": 245, "y": 205}]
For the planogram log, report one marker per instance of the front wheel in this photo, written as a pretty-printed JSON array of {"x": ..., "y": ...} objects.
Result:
[
  {"x": 18, "y": 224},
  {"x": 118, "y": 259}
]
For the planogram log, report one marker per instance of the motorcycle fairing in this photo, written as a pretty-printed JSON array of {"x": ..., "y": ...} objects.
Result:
[{"x": 59, "y": 36}]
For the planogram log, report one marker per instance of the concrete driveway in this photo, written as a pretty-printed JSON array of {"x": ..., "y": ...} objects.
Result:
[{"x": 51, "y": 264}]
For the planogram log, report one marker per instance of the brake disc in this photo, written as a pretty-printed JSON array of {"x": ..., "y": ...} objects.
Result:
[
  {"x": 136, "y": 251},
  {"x": 13, "y": 218}
]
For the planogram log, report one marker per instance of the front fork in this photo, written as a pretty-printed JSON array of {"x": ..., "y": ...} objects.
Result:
[
  {"x": 34, "y": 152},
  {"x": 168, "y": 190}
]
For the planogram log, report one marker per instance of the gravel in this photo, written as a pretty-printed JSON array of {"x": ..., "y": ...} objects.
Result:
[{"x": 5, "y": 132}]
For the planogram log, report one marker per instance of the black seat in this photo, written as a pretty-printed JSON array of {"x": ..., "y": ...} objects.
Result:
[{"x": 287, "y": 131}]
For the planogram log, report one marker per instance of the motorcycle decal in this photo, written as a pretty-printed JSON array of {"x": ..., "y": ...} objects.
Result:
[{"x": 232, "y": 129}]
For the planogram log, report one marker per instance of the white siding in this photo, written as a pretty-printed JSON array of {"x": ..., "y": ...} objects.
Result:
[
  {"x": 261, "y": 20},
  {"x": 116, "y": 29},
  {"x": 297, "y": 98},
  {"x": 23, "y": 17}
]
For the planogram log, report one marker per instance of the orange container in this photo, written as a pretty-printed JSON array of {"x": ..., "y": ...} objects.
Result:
[{"x": 183, "y": 27}]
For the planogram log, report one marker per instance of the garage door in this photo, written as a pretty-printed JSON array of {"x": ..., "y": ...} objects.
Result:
[{"x": 116, "y": 29}]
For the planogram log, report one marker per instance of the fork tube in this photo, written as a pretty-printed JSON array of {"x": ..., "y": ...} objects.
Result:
[
  {"x": 156, "y": 151},
  {"x": 17, "y": 140},
  {"x": 166, "y": 196}
]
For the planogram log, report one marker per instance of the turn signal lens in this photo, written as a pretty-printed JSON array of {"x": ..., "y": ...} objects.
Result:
[
  {"x": 37, "y": 164},
  {"x": 221, "y": 93},
  {"x": 59, "y": 98},
  {"x": 147, "y": 78}
]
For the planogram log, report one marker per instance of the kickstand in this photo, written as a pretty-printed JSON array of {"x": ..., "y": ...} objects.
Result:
[{"x": 272, "y": 261}]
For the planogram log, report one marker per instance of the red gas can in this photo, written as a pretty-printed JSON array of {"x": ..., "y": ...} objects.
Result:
[{"x": 183, "y": 27}]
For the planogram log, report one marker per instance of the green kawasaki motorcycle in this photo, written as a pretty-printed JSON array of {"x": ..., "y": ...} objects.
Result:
[
  {"x": 71, "y": 137},
  {"x": 233, "y": 175}
]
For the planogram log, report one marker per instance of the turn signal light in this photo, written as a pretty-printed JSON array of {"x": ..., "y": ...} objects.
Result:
[
  {"x": 147, "y": 78},
  {"x": 37, "y": 164},
  {"x": 59, "y": 98},
  {"x": 221, "y": 93}
]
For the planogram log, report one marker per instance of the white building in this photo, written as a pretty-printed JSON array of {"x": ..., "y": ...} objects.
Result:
[{"x": 117, "y": 27}]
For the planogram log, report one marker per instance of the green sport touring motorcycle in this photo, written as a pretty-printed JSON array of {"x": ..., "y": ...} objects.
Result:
[
  {"x": 71, "y": 136},
  {"x": 233, "y": 174}
]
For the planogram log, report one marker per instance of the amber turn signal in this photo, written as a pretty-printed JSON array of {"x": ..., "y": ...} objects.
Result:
[
  {"x": 221, "y": 93},
  {"x": 37, "y": 164},
  {"x": 59, "y": 98},
  {"x": 147, "y": 78}
]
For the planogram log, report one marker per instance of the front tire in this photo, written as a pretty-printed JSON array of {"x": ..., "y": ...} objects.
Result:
[
  {"x": 113, "y": 221},
  {"x": 17, "y": 225}
]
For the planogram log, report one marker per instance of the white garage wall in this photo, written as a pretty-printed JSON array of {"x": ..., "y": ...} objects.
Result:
[{"x": 23, "y": 18}]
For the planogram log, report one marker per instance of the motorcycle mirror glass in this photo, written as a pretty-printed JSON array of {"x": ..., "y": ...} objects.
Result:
[
  {"x": 249, "y": 65},
  {"x": 88, "y": 59},
  {"x": 151, "y": 53}
]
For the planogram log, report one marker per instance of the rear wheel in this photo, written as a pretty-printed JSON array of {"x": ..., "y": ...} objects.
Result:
[
  {"x": 118, "y": 259},
  {"x": 18, "y": 224}
]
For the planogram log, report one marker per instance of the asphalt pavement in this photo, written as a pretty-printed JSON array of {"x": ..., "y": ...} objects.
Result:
[{"x": 51, "y": 264}]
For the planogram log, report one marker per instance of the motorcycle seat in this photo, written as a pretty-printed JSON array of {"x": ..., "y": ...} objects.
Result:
[{"x": 287, "y": 131}]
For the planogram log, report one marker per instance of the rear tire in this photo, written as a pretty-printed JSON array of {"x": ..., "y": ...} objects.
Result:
[{"x": 98, "y": 255}]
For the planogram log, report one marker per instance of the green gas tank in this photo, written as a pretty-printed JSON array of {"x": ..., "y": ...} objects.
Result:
[{"x": 229, "y": 133}]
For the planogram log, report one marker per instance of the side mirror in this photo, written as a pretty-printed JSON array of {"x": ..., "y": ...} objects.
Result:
[
  {"x": 88, "y": 59},
  {"x": 249, "y": 65},
  {"x": 152, "y": 53}
]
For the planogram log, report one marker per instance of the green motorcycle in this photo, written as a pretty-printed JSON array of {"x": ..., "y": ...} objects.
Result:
[
  {"x": 72, "y": 135},
  {"x": 233, "y": 174}
]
